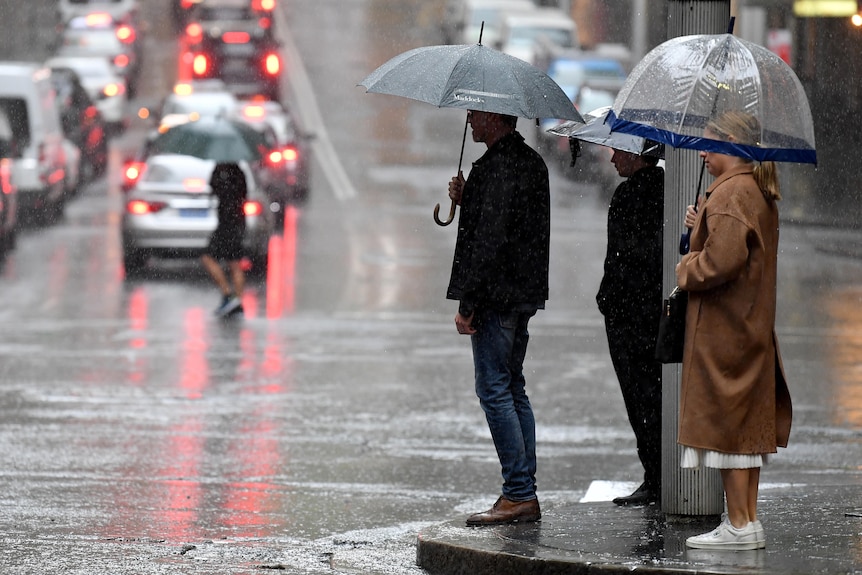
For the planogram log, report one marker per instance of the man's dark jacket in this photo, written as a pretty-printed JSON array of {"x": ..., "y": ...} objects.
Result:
[
  {"x": 502, "y": 251},
  {"x": 631, "y": 288}
]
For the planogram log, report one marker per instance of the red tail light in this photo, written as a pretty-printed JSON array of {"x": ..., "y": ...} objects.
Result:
[
  {"x": 272, "y": 64},
  {"x": 290, "y": 154},
  {"x": 194, "y": 31},
  {"x": 6, "y": 176},
  {"x": 200, "y": 64},
  {"x": 265, "y": 5},
  {"x": 126, "y": 34},
  {"x": 251, "y": 208},
  {"x": 142, "y": 208},
  {"x": 113, "y": 89},
  {"x": 236, "y": 37},
  {"x": 121, "y": 60},
  {"x": 132, "y": 173},
  {"x": 264, "y": 23}
]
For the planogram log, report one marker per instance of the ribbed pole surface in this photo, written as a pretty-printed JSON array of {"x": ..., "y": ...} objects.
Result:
[{"x": 684, "y": 491}]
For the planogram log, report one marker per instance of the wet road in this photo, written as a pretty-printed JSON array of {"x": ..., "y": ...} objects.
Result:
[{"x": 320, "y": 433}]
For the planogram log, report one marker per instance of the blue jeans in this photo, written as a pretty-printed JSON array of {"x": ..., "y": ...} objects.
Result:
[{"x": 499, "y": 348}]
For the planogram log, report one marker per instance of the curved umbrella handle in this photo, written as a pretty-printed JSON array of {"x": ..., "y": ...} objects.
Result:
[{"x": 451, "y": 215}]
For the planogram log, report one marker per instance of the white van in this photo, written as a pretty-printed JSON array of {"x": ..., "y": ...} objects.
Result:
[
  {"x": 465, "y": 20},
  {"x": 520, "y": 32},
  {"x": 39, "y": 168}
]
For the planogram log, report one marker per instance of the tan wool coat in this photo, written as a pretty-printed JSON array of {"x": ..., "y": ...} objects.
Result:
[{"x": 734, "y": 397}]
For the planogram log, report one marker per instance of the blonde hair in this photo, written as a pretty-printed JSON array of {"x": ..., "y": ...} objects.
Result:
[{"x": 743, "y": 128}]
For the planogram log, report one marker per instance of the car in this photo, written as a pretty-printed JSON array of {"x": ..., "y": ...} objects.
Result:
[
  {"x": 96, "y": 35},
  {"x": 229, "y": 41},
  {"x": 520, "y": 31},
  {"x": 120, "y": 10},
  {"x": 464, "y": 20},
  {"x": 171, "y": 213},
  {"x": 39, "y": 165},
  {"x": 200, "y": 98},
  {"x": 8, "y": 191},
  {"x": 82, "y": 123},
  {"x": 104, "y": 87},
  {"x": 288, "y": 164}
]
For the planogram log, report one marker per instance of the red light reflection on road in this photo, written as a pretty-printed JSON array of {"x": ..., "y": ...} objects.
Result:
[
  {"x": 281, "y": 268},
  {"x": 194, "y": 374}
]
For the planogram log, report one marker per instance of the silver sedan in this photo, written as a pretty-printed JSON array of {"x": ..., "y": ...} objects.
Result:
[{"x": 171, "y": 213}]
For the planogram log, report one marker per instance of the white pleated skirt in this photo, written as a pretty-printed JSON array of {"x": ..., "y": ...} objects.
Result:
[{"x": 694, "y": 458}]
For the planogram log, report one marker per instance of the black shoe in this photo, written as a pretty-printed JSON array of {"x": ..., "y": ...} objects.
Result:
[{"x": 643, "y": 495}]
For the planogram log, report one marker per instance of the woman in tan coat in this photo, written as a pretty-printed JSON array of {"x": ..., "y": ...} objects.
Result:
[{"x": 734, "y": 404}]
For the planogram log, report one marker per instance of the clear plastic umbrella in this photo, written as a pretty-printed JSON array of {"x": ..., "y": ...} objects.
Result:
[{"x": 687, "y": 81}]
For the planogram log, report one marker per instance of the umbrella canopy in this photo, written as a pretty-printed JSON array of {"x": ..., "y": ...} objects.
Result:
[
  {"x": 597, "y": 130},
  {"x": 687, "y": 81},
  {"x": 212, "y": 138},
  {"x": 472, "y": 77}
]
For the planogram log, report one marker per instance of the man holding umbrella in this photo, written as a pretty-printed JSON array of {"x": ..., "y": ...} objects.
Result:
[{"x": 500, "y": 278}]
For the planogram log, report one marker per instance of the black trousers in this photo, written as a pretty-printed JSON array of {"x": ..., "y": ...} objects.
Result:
[{"x": 631, "y": 342}]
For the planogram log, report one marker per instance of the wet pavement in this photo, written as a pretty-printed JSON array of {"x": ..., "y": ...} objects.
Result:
[
  {"x": 336, "y": 422},
  {"x": 812, "y": 528}
]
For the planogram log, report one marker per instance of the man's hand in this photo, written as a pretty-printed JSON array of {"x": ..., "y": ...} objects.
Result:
[
  {"x": 464, "y": 324},
  {"x": 456, "y": 188}
]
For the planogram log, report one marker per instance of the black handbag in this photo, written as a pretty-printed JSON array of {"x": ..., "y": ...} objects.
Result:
[{"x": 671, "y": 327}]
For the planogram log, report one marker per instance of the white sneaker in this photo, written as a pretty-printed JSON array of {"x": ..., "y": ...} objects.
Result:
[
  {"x": 760, "y": 535},
  {"x": 728, "y": 537}
]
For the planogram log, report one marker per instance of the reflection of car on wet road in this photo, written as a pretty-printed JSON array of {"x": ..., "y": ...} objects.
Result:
[
  {"x": 288, "y": 162},
  {"x": 232, "y": 42},
  {"x": 170, "y": 213}
]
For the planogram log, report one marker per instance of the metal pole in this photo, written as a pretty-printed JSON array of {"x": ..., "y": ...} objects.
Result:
[{"x": 684, "y": 491}]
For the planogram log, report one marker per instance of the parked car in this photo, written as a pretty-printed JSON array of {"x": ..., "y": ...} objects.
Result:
[
  {"x": 288, "y": 163},
  {"x": 120, "y": 10},
  {"x": 103, "y": 86},
  {"x": 520, "y": 31},
  {"x": 39, "y": 167},
  {"x": 231, "y": 42},
  {"x": 171, "y": 213},
  {"x": 463, "y": 20},
  {"x": 97, "y": 35},
  {"x": 8, "y": 192}
]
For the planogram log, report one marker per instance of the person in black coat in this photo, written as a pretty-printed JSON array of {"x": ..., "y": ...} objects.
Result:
[
  {"x": 500, "y": 279},
  {"x": 630, "y": 299}
]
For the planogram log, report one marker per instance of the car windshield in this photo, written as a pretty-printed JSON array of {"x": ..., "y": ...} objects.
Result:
[
  {"x": 224, "y": 13},
  {"x": 87, "y": 41},
  {"x": 527, "y": 35},
  {"x": 205, "y": 105},
  {"x": 88, "y": 67},
  {"x": 160, "y": 172}
]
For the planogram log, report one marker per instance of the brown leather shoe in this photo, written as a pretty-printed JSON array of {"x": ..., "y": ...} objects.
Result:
[{"x": 505, "y": 511}]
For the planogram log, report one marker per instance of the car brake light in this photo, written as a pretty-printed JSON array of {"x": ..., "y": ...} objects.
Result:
[
  {"x": 253, "y": 111},
  {"x": 98, "y": 20},
  {"x": 6, "y": 176},
  {"x": 187, "y": 4},
  {"x": 113, "y": 89},
  {"x": 194, "y": 31},
  {"x": 234, "y": 37},
  {"x": 272, "y": 64},
  {"x": 132, "y": 173},
  {"x": 275, "y": 157},
  {"x": 264, "y": 23},
  {"x": 265, "y": 5},
  {"x": 200, "y": 64},
  {"x": 290, "y": 154},
  {"x": 142, "y": 208},
  {"x": 252, "y": 208},
  {"x": 194, "y": 184},
  {"x": 121, "y": 60},
  {"x": 126, "y": 34}
]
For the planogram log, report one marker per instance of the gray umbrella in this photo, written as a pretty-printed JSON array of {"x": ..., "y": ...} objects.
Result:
[{"x": 471, "y": 77}]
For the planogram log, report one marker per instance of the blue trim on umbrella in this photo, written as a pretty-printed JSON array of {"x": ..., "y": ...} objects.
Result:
[{"x": 802, "y": 155}]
